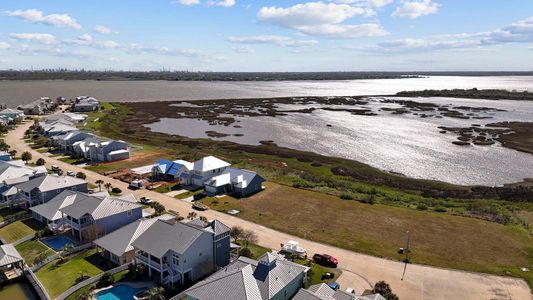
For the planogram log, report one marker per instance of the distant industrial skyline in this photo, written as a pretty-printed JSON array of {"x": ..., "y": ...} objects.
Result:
[{"x": 267, "y": 35}]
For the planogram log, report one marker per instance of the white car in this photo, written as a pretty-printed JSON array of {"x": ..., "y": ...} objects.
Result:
[
  {"x": 70, "y": 173},
  {"x": 293, "y": 247}
]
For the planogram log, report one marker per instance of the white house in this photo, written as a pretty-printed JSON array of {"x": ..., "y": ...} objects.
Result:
[{"x": 207, "y": 168}]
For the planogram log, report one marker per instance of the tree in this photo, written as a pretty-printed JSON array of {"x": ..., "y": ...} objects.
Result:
[
  {"x": 3, "y": 146},
  {"x": 26, "y": 156},
  {"x": 383, "y": 288},
  {"x": 236, "y": 232},
  {"x": 81, "y": 175},
  {"x": 105, "y": 280},
  {"x": 156, "y": 293},
  {"x": 108, "y": 186},
  {"x": 13, "y": 153},
  {"x": 40, "y": 162},
  {"x": 159, "y": 208},
  {"x": 99, "y": 182},
  {"x": 249, "y": 237},
  {"x": 246, "y": 252}
]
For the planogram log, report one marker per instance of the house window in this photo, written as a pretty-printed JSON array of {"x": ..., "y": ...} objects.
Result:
[{"x": 175, "y": 260}]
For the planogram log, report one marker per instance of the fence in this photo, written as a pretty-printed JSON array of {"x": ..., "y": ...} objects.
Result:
[
  {"x": 14, "y": 219},
  {"x": 24, "y": 239},
  {"x": 91, "y": 280},
  {"x": 37, "y": 285},
  {"x": 49, "y": 259}
]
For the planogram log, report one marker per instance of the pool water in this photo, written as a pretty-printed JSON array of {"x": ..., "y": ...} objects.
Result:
[
  {"x": 118, "y": 292},
  {"x": 58, "y": 242}
]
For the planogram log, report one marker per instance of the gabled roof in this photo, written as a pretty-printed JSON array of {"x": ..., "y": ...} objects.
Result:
[
  {"x": 11, "y": 111},
  {"x": 166, "y": 166},
  {"x": 119, "y": 241},
  {"x": 269, "y": 276},
  {"x": 50, "y": 183},
  {"x": 220, "y": 180},
  {"x": 323, "y": 292},
  {"x": 12, "y": 170},
  {"x": 9, "y": 255},
  {"x": 51, "y": 209},
  {"x": 214, "y": 226},
  {"x": 99, "y": 208},
  {"x": 163, "y": 236},
  {"x": 239, "y": 178},
  {"x": 209, "y": 163}
]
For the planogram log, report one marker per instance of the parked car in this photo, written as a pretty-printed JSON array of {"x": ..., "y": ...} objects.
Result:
[
  {"x": 116, "y": 190},
  {"x": 325, "y": 260},
  {"x": 200, "y": 206},
  {"x": 55, "y": 168},
  {"x": 146, "y": 200},
  {"x": 71, "y": 173},
  {"x": 136, "y": 184},
  {"x": 199, "y": 196}
]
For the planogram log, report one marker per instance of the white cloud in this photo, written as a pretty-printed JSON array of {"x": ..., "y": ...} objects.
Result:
[
  {"x": 367, "y": 3},
  {"x": 101, "y": 29},
  {"x": 4, "y": 45},
  {"x": 519, "y": 32},
  {"x": 321, "y": 19},
  {"x": 223, "y": 3},
  {"x": 415, "y": 9},
  {"x": 87, "y": 40},
  {"x": 36, "y": 16},
  {"x": 278, "y": 40},
  {"x": 43, "y": 38},
  {"x": 244, "y": 49},
  {"x": 187, "y": 2}
]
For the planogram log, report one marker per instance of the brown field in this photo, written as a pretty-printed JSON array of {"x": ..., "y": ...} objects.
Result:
[{"x": 436, "y": 239}]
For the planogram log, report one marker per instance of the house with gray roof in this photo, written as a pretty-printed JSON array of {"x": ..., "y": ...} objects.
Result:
[
  {"x": 12, "y": 115},
  {"x": 116, "y": 246},
  {"x": 42, "y": 189},
  {"x": 237, "y": 181},
  {"x": 15, "y": 172},
  {"x": 324, "y": 292},
  {"x": 177, "y": 253},
  {"x": 269, "y": 277},
  {"x": 91, "y": 217},
  {"x": 9, "y": 256},
  {"x": 37, "y": 107},
  {"x": 85, "y": 104}
]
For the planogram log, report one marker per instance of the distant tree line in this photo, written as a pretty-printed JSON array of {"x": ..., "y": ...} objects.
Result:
[{"x": 492, "y": 94}]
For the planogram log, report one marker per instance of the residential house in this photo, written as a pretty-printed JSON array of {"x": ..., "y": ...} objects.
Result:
[
  {"x": 15, "y": 172},
  {"x": 66, "y": 141},
  {"x": 108, "y": 151},
  {"x": 237, "y": 181},
  {"x": 323, "y": 292},
  {"x": 177, "y": 253},
  {"x": 207, "y": 168},
  {"x": 169, "y": 170},
  {"x": 5, "y": 156},
  {"x": 37, "y": 107},
  {"x": 9, "y": 258},
  {"x": 71, "y": 117},
  {"x": 117, "y": 246},
  {"x": 42, "y": 189},
  {"x": 91, "y": 217},
  {"x": 86, "y": 104},
  {"x": 57, "y": 128},
  {"x": 269, "y": 277},
  {"x": 13, "y": 115}
]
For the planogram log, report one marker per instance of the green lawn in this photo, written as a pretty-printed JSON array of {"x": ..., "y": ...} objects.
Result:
[
  {"x": 120, "y": 276},
  {"x": 8, "y": 213},
  {"x": 70, "y": 160},
  {"x": 317, "y": 271},
  {"x": 32, "y": 249},
  {"x": 19, "y": 229},
  {"x": 57, "y": 279}
]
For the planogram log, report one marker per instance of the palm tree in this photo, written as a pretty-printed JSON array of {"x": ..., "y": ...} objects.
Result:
[
  {"x": 99, "y": 182},
  {"x": 156, "y": 293},
  {"x": 108, "y": 186}
]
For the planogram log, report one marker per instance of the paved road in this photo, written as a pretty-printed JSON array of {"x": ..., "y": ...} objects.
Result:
[{"x": 420, "y": 282}]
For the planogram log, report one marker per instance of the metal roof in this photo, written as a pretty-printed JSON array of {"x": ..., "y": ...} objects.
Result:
[
  {"x": 9, "y": 255},
  {"x": 119, "y": 241},
  {"x": 99, "y": 208},
  {"x": 51, "y": 209},
  {"x": 209, "y": 163},
  {"x": 163, "y": 236},
  {"x": 50, "y": 183}
]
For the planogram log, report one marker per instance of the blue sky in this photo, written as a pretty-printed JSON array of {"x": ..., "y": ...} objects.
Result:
[{"x": 267, "y": 35}]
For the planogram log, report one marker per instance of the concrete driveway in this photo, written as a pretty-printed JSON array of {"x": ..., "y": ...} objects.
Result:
[{"x": 360, "y": 271}]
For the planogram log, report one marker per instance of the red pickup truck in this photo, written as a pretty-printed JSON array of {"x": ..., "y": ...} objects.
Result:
[{"x": 325, "y": 260}]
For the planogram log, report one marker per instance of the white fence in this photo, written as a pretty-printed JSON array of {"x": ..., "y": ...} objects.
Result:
[
  {"x": 49, "y": 259},
  {"x": 41, "y": 291}
]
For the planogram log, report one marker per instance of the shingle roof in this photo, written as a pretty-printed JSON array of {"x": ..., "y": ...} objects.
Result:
[
  {"x": 9, "y": 255},
  {"x": 50, "y": 183},
  {"x": 119, "y": 241},
  {"x": 209, "y": 163},
  {"x": 163, "y": 236}
]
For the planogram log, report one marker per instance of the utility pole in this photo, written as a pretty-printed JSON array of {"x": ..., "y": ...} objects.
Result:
[{"x": 406, "y": 254}]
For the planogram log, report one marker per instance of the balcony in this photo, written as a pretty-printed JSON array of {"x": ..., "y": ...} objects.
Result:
[{"x": 145, "y": 260}]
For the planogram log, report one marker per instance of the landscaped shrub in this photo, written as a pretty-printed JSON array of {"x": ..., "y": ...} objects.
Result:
[
  {"x": 345, "y": 196},
  {"x": 105, "y": 280},
  {"x": 246, "y": 252},
  {"x": 422, "y": 206}
]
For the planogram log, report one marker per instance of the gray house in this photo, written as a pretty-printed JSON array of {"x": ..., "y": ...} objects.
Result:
[
  {"x": 92, "y": 217},
  {"x": 237, "y": 181},
  {"x": 42, "y": 189},
  {"x": 67, "y": 141},
  {"x": 116, "y": 246},
  {"x": 178, "y": 253},
  {"x": 269, "y": 278}
]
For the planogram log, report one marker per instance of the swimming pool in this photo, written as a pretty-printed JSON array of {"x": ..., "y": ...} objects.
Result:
[
  {"x": 118, "y": 292},
  {"x": 58, "y": 242}
]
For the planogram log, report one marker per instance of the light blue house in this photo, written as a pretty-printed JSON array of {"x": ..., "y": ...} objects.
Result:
[{"x": 166, "y": 169}]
